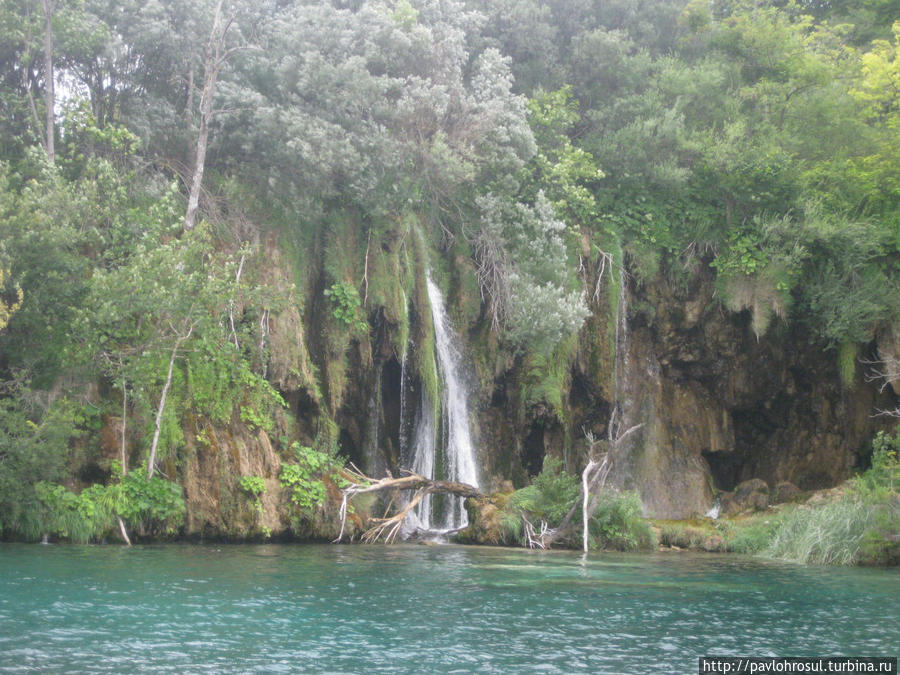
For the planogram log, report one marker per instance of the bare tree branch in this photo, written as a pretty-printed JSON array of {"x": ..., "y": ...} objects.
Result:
[
  {"x": 886, "y": 371},
  {"x": 388, "y": 527}
]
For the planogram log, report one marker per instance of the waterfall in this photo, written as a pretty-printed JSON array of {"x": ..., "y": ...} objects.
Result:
[
  {"x": 620, "y": 357},
  {"x": 459, "y": 455},
  {"x": 449, "y": 435},
  {"x": 424, "y": 445}
]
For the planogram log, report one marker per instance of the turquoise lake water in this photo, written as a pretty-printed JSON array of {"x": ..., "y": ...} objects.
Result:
[{"x": 410, "y": 608}]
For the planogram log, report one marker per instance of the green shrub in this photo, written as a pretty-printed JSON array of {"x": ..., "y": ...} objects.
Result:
[
  {"x": 255, "y": 487},
  {"x": 883, "y": 478},
  {"x": 548, "y": 498},
  {"x": 304, "y": 480},
  {"x": 68, "y": 515},
  {"x": 346, "y": 306},
  {"x": 618, "y": 523},
  {"x": 151, "y": 507},
  {"x": 827, "y": 535}
]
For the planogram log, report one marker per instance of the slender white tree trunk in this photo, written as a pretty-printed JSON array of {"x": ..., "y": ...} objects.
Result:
[
  {"x": 123, "y": 531},
  {"x": 215, "y": 56},
  {"x": 151, "y": 461}
]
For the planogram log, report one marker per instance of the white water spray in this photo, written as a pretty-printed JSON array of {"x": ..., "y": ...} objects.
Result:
[
  {"x": 456, "y": 440},
  {"x": 620, "y": 358}
]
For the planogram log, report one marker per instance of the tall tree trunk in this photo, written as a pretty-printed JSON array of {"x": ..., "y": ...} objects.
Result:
[
  {"x": 214, "y": 58},
  {"x": 49, "y": 7},
  {"x": 122, "y": 530},
  {"x": 151, "y": 461}
]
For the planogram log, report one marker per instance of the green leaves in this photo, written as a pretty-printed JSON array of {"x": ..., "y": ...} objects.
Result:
[
  {"x": 304, "y": 480},
  {"x": 346, "y": 306},
  {"x": 151, "y": 507}
]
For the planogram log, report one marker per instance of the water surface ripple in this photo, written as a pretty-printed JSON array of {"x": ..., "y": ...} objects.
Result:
[{"x": 354, "y": 609}]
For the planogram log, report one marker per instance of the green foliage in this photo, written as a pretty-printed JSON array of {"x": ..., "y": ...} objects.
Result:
[
  {"x": 882, "y": 480},
  {"x": 760, "y": 139},
  {"x": 34, "y": 447},
  {"x": 618, "y": 523},
  {"x": 855, "y": 528},
  {"x": 346, "y": 306},
  {"x": 8, "y": 307},
  {"x": 523, "y": 266},
  {"x": 563, "y": 171},
  {"x": 545, "y": 379},
  {"x": 828, "y": 535},
  {"x": 752, "y": 534},
  {"x": 68, "y": 515},
  {"x": 848, "y": 353},
  {"x": 151, "y": 507},
  {"x": 550, "y": 496},
  {"x": 254, "y": 487},
  {"x": 305, "y": 479}
]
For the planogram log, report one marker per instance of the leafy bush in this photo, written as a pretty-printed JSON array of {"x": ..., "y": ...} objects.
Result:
[
  {"x": 346, "y": 306},
  {"x": 151, "y": 507},
  {"x": 548, "y": 498},
  {"x": 255, "y": 487},
  {"x": 618, "y": 523},
  {"x": 76, "y": 517},
  {"x": 304, "y": 480}
]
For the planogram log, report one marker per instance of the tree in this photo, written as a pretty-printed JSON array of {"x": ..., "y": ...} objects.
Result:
[
  {"x": 144, "y": 317},
  {"x": 8, "y": 307},
  {"x": 216, "y": 54}
]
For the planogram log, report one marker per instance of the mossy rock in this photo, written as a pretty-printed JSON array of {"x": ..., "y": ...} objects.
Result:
[
  {"x": 750, "y": 496},
  {"x": 485, "y": 521}
]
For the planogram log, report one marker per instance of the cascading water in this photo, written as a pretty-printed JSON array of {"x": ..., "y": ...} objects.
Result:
[
  {"x": 455, "y": 440},
  {"x": 620, "y": 363},
  {"x": 458, "y": 451},
  {"x": 425, "y": 443}
]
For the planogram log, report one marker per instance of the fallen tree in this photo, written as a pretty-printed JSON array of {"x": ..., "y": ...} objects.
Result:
[{"x": 388, "y": 527}]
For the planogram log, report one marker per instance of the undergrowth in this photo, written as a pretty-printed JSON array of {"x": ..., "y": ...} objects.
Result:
[{"x": 616, "y": 522}]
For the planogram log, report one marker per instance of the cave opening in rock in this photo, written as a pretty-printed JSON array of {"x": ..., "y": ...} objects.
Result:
[
  {"x": 725, "y": 468},
  {"x": 391, "y": 405},
  {"x": 349, "y": 448},
  {"x": 533, "y": 450}
]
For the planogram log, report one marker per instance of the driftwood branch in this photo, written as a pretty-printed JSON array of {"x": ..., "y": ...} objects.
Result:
[
  {"x": 535, "y": 538},
  {"x": 886, "y": 372},
  {"x": 388, "y": 527}
]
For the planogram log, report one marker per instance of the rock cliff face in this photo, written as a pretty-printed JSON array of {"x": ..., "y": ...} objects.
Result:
[
  {"x": 717, "y": 405},
  {"x": 720, "y": 406}
]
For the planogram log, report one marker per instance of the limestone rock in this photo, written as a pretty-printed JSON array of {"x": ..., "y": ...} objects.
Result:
[
  {"x": 751, "y": 495},
  {"x": 785, "y": 491}
]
